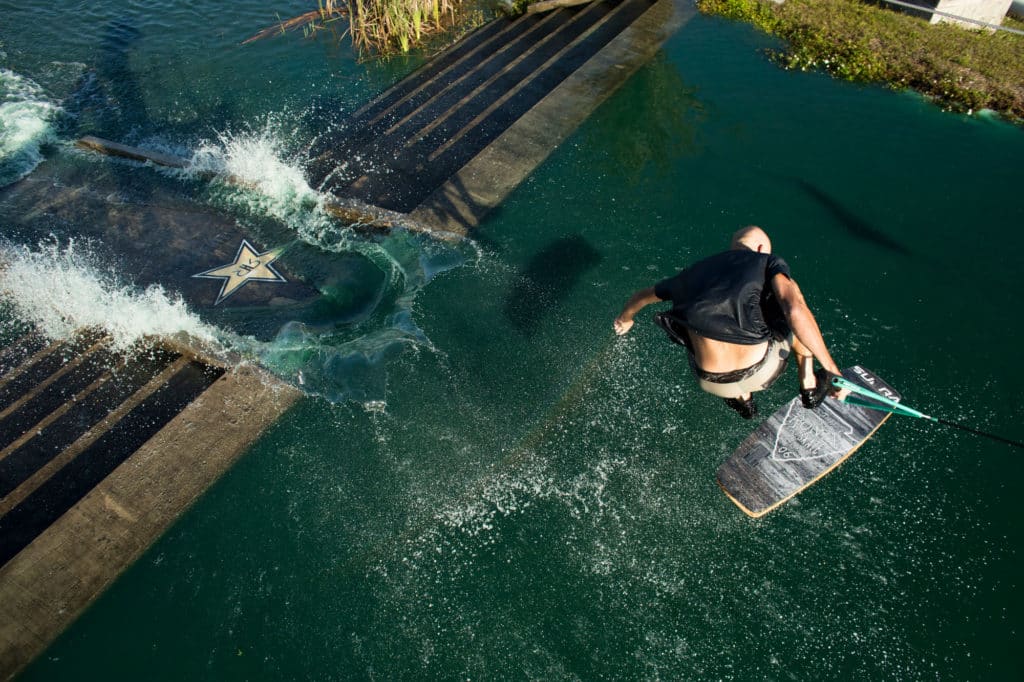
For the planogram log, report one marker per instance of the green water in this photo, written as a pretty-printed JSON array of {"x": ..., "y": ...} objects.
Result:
[{"x": 537, "y": 499}]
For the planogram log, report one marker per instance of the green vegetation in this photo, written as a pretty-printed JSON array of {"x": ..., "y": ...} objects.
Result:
[
  {"x": 377, "y": 27},
  {"x": 386, "y": 25},
  {"x": 964, "y": 70}
]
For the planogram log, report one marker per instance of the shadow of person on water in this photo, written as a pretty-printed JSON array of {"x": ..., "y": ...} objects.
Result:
[
  {"x": 108, "y": 97},
  {"x": 547, "y": 280},
  {"x": 853, "y": 223}
]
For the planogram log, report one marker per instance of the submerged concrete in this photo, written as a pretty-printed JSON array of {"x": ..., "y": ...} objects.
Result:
[
  {"x": 447, "y": 144},
  {"x": 82, "y": 497},
  {"x": 443, "y": 147}
]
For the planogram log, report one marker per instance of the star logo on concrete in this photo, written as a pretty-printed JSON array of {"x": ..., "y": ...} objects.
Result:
[{"x": 249, "y": 266}]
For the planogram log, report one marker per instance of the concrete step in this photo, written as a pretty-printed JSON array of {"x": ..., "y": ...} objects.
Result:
[
  {"x": 403, "y": 152},
  {"x": 22, "y": 347},
  {"x": 433, "y": 96},
  {"x": 41, "y": 367},
  {"x": 31, "y": 441},
  {"x": 413, "y": 90},
  {"x": 100, "y": 451},
  {"x": 434, "y": 153},
  {"x": 156, "y": 404},
  {"x": 445, "y": 145},
  {"x": 407, "y": 142},
  {"x": 53, "y": 393}
]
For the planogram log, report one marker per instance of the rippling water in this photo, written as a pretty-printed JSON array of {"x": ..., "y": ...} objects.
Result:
[{"x": 483, "y": 482}]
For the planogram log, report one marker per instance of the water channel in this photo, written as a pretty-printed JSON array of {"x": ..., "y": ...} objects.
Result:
[{"x": 482, "y": 481}]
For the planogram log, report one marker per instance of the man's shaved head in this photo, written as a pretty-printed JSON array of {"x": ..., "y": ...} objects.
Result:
[{"x": 752, "y": 237}]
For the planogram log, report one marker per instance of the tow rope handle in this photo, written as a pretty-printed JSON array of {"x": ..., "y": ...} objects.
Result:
[
  {"x": 884, "y": 404},
  {"x": 840, "y": 382}
]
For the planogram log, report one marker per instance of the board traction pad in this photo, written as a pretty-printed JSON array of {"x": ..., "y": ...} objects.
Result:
[{"x": 796, "y": 447}]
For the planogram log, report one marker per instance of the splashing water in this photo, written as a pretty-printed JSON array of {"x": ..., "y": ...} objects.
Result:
[
  {"x": 256, "y": 174},
  {"x": 259, "y": 177},
  {"x": 63, "y": 288},
  {"x": 27, "y": 121}
]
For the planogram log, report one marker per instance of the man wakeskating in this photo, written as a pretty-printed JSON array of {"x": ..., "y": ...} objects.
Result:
[{"x": 739, "y": 313}]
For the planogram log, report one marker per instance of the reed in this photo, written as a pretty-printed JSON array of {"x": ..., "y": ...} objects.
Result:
[
  {"x": 389, "y": 26},
  {"x": 376, "y": 27}
]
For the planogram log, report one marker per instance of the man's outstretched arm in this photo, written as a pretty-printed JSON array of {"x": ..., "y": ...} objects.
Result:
[
  {"x": 637, "y": 302},
  {"x": 802, "y": 321}
]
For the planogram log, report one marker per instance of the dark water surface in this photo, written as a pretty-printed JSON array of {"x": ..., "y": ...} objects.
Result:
[{"x": 526, "y": 496}]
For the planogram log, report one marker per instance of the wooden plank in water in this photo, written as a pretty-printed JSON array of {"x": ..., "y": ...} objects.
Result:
[
  {"x": 350, "y": 211},
  {"x": 102, "y": 146},
  {"x": 549, "y": 5}
]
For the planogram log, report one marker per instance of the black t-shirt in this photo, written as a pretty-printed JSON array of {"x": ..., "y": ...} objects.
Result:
[{"x": 728, "y": 296}]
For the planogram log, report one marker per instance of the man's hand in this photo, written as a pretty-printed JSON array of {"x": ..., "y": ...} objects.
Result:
[
  {"x": 622, "y": 325},
  {"x": 624, "y": 322},
  {"x": 834, "y": 391},
  {"x": 839, "y": 393}
]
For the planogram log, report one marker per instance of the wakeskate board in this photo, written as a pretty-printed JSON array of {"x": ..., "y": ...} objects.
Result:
[{"x": 796, "y": 447}]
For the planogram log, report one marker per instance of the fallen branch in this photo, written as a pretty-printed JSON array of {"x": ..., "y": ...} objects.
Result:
[
  {"x": 548, "y": 5},
  {"x": 134, "y": 153},
  {"x": 301, "y": 20}
]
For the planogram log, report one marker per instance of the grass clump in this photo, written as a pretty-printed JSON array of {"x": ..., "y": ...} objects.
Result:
[
  {"x": 376, "y": 27},
  {"x": 964, "y": 70},
  {"x": 388, "y": 26}
]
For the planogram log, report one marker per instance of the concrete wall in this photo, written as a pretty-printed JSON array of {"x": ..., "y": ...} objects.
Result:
[{"x": 989, "y": 11}]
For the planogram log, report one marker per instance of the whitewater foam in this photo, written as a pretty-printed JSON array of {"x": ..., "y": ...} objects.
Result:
[
  {"x": 258, "y": 175},
  {"x": 27, "y": 122},
  {"x": 64, "y": 288}
]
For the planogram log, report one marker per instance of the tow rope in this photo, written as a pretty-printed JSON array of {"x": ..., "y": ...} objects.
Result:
[{"x": 884, "y": 404}]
